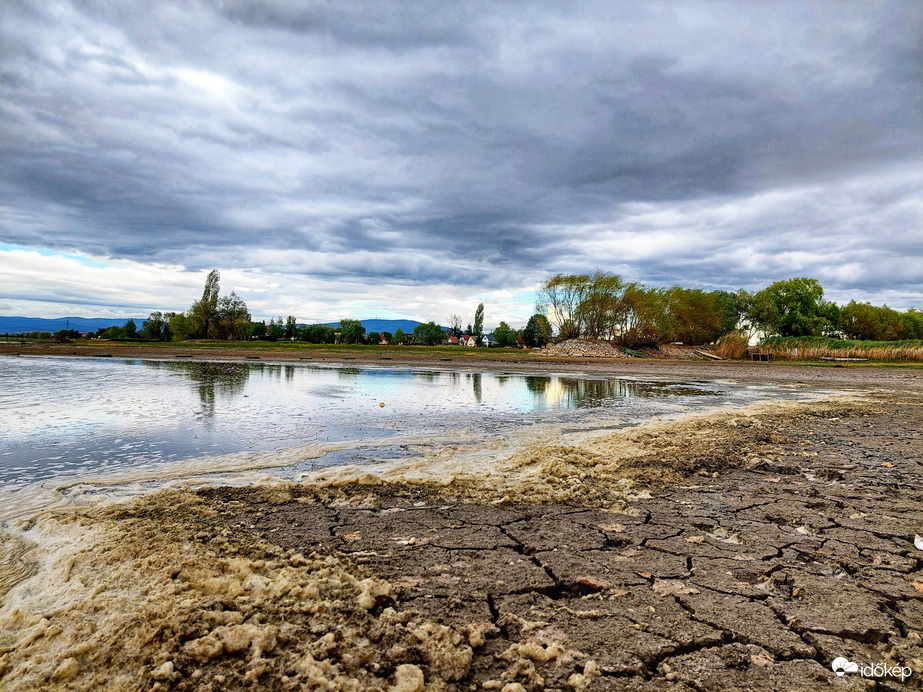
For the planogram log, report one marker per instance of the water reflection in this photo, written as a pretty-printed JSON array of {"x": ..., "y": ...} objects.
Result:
[
  {"x": 570, "y": 392},
  {"x": 213, "y": 379},
  {"x": 158, "y": 411},
  {"x": 427, "y": 375},
  {"x": 228, "y": 380}
]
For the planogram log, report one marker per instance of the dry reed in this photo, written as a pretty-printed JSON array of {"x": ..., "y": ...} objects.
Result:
[
  {"x": 815, "y": 348},
  {"x": 733, "y": 345}
]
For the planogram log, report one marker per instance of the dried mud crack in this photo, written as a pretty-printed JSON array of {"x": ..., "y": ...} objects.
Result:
[{"x": 733, "y": 552}]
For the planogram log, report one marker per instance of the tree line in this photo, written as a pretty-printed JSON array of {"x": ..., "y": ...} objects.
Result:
[
  {"x": 603, "y": 305},
  {"x": 600, "y": 305}
]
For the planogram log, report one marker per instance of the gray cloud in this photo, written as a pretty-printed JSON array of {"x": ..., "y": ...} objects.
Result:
[{"x": 477, "y": 144}]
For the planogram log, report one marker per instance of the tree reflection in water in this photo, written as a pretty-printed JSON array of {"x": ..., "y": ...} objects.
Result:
[
  {"x": 476, "y": 386},
  {"x": 579, "y": 392},
  {"x": 213, "y": 379}
]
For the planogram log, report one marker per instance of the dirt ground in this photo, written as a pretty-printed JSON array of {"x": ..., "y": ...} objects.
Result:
[{"x": 743, "y": 550}]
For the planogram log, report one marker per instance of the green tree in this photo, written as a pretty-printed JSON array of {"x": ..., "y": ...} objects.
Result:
[
  {"x": 504, "y": 335},
  {"x": 153, "y": 327},
  {"x": 561, "y": 296},
  {"x": 179, "y": 325},
  {"x": 599, "y": 310},
  {"x": 256, "y": 330},
  {"x": 729, "y": 308},
  {"x": 387, "y": 336},
  {"x": 374, "y": 338},
  {"x": 275, "y": 330},
  {"x": 871, "y": 323},
  {"x": 232, "y": 319},
  {"x": 131, "y": 329},
  {"x": 537, "y": 333},
  {"x": 203, "y": 315},
  {"x": 113, "y": 332},
  {"x": 913, "y": 324},
  {"x": 478, "y": 328},
  {"x": 351, "y": 332},
  {"x": 693, "y": 316},
  {"x": 793, "y": 307},
  {"x": 398, "y": 337},
  {"x": 428, "y": 334},
  {"x": 317, "y": 334},
  {"x": 291, "y": 327}
]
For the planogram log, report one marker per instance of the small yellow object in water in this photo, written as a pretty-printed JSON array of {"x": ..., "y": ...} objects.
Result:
[{"x": 382, "y": 404}]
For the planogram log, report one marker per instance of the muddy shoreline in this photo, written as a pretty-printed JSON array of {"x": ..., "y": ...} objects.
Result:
[{"x": 740, "y": 550}]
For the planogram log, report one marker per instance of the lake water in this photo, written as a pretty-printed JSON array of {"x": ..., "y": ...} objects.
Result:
[{"x": 68, "y": 417}]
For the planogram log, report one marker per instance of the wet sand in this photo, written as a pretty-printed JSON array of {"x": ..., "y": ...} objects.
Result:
[{"x": 736, "y": 550}]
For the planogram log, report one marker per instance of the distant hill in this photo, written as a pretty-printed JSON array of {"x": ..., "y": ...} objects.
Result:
[
  {"x": 17, "y": 325},
  {"x": 384, "y": 325}
]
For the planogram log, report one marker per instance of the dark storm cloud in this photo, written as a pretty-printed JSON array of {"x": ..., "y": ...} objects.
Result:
[{"x": 473, "y": 144}]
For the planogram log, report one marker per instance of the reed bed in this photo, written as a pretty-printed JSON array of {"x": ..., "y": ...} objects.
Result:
[
  {"x": 807, "y": 348},
  {"x": 733, "y": 345}
]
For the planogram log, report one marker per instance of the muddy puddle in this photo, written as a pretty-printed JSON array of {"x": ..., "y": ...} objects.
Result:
[{"x": 76, "y": 427}]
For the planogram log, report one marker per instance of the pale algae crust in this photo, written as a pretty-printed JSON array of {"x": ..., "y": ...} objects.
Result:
[{"x": 154, "y": 593}]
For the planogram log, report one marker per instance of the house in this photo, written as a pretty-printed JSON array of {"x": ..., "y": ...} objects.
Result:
[
  {"x": 488, "y": 341},
  {"x": 451, "y": 341},
  {"x": 467, "y": 340}
]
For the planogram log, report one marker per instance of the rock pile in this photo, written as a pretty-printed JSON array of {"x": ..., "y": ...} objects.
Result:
[
  {"x": 580, "y": 348},
  {"x": 671, "y": 351}
]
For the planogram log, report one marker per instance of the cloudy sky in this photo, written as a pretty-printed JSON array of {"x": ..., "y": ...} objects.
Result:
[{"x": 413, "y": 159}]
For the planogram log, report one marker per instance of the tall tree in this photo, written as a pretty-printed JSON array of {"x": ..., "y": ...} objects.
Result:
[
  {"x": 477, "y": 331},
  {"x": 203, "y": 315}
]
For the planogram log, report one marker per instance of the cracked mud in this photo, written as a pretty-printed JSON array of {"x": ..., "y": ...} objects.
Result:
[{"x": 733, "y": 552}]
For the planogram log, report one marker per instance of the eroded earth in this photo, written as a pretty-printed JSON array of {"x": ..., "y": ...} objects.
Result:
[{"x": 734, "y": 552}]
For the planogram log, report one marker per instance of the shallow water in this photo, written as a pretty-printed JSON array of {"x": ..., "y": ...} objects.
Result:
[{"x": 63, "y": 418}]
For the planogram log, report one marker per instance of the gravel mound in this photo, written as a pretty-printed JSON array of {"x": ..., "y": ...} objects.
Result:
[
  {"x": 581, "y": 348},
  {"x": 672, "y": 351}
]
